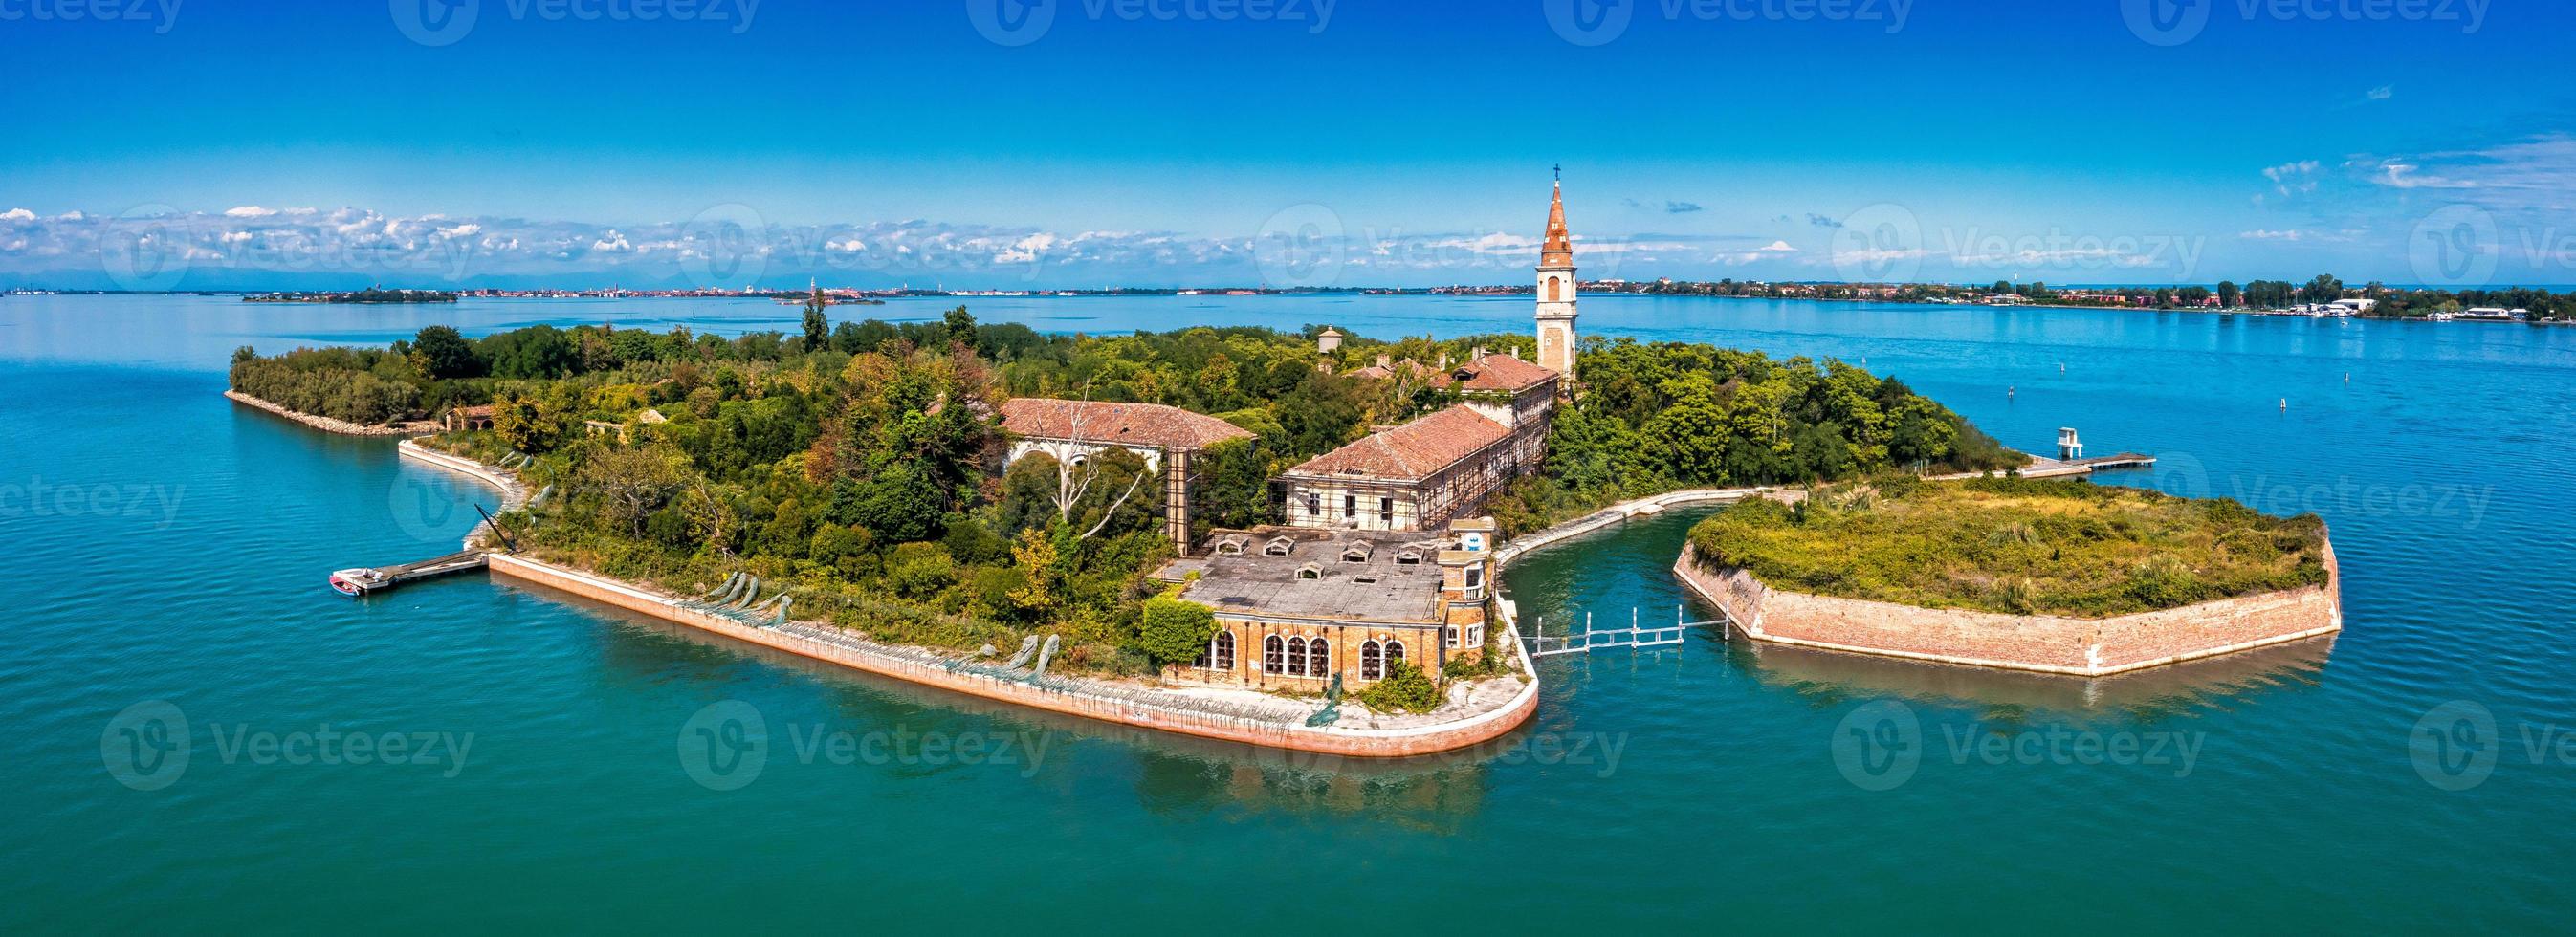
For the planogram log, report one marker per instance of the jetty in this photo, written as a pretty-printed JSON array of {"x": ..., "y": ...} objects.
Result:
[
  {"x": 362, "y": 581},
  {"x": 368, "y": 580}
]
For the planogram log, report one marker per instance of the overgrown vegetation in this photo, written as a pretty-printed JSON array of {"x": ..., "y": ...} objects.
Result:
[
  {"x": 861, "y": 463},
  {"x": 2014, "y": 545},
  {"x": 1665, "y": 416},
  {"x": 1404, "y": 690}
]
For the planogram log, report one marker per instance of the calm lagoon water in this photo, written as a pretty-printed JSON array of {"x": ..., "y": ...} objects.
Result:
[{"x": 170, "y": 546}]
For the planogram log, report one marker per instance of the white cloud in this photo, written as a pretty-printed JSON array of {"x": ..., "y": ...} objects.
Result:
[
  {"x": 249, "y": 211},
  {"x": 2381, "y": 93},
  {"x": 17, "y": 214},
  {"x": 2272, "y": 235},
  {"x": 2293, "y": 178}
]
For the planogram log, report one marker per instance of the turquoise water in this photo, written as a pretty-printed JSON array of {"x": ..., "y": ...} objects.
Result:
[{"x": 1714, "y": 785}]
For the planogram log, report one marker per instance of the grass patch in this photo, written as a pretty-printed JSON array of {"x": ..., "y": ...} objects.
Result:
[{"x": 2015, "y": 546}]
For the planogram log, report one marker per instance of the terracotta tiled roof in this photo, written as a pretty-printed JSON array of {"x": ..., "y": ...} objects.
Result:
[
  {"x": 1491, "y": 372},
  {"x": 1125, "y": 424},
  {"x": 1503, "y": 372},
  {"x": 1418, "y": 449}
]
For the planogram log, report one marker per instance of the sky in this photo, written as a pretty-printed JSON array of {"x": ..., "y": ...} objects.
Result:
[{"x": 223, "y": 144}]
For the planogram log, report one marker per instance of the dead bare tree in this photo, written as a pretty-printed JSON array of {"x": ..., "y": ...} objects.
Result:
[{"x": 1075, "y": 474}]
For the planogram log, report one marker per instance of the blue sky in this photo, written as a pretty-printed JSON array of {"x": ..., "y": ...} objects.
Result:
[{"x": 1210, "y": 142}]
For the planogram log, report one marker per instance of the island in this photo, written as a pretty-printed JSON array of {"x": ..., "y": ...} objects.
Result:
[
  {"x": 2043, "y": 575},
  {"x": 1283, "y": 538},
  {"x": 369, "y": 295}
]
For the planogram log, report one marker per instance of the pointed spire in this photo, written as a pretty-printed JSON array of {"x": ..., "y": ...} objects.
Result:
[{"x": 1558, "y": 251}]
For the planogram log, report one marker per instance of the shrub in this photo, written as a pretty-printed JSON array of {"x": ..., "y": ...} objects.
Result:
[
  {"x": 1405, "y": 690},
  {"x": 1174, "y": 631},
  {"x": 919, "y": 569}
]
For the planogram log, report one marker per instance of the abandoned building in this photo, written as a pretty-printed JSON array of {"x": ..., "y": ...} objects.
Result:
[
  {"x": 1294, "y": 606},
  {"x": 1072, "y": 431}
]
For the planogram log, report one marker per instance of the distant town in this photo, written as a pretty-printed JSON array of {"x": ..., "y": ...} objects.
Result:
[{"x": 2321, "y": 297}]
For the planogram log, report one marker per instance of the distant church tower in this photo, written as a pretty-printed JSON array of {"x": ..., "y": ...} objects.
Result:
[{"x": 1556, "y": 291}]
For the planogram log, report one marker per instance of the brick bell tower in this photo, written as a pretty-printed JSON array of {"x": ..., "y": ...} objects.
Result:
[{"x": 1556, "y": 289}]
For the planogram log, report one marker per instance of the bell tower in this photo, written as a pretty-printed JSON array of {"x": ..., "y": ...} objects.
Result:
[{"x": 1556, "y": 289}]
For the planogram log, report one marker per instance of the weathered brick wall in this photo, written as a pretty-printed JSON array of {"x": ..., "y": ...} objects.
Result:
[
  {"x": 2026, "y": 642},
  {"x": 1375, "y": 743}
]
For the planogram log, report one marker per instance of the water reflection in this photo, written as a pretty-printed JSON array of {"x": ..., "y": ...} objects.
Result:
[
  {"x": 2144, "y": 695},
  {"x": 1173, "y": 775}
]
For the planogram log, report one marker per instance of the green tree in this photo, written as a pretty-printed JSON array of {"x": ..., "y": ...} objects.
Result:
[
  {"x": 441, "y": 352},
  {"x": 817, "y": 326},
  {"x": 1174, "y": 631}
]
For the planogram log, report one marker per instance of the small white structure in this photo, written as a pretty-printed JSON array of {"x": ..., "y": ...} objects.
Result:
[{"x": 2069, "y": 448}]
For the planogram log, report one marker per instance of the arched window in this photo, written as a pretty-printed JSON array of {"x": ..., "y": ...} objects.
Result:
[
  {"x": 1296, "y": 657},
  {"x": 1319, "y": 658},
  {"x": 1310, "y": 571},
  {"x": 1372, "y": 661},
  {"x": 1273, "y": 659},
  {"x": 1394, "y": 653},
  {"x": 1221, "y": 651}
]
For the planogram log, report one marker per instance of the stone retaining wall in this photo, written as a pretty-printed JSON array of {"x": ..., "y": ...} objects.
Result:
[
  {"x": 323, "y": 423},
  {"x": 2045, "y": 643},
  {"x": 1357, "y": 742}
]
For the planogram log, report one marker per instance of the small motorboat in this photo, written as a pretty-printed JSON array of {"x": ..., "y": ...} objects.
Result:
[{"x": 357, "y": 582}]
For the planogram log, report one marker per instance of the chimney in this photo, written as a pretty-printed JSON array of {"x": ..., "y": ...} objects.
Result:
[
  {"x": 1476, "y": 355},
  {"x": 1516, "y": 352},
  {"x": 1385, "y": 361}
]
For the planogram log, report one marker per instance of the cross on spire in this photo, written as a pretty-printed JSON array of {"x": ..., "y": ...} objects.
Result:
[{"x": 1560, "y": 172}]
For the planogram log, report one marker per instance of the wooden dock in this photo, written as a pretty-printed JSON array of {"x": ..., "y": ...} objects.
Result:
[{"x": 368, "y": 580}]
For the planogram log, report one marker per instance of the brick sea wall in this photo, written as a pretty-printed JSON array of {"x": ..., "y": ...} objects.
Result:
[
  {"x": 1366, "y": 743},
  {"x": 2046, "y": 643}
]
